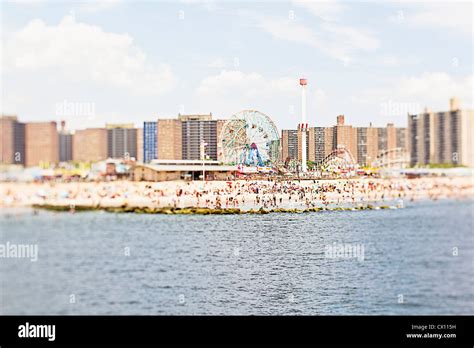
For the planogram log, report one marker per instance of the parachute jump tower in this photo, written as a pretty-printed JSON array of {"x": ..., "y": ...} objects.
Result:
[{"x": 303, "y": 126}]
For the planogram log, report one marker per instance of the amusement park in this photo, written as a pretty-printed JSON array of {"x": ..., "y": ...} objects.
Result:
[
  {"x": 251, "y": 141},
  {"x": 246, "y": 145}
]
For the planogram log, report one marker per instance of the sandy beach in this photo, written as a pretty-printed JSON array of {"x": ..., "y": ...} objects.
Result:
[{"x": 244, "y": 195}]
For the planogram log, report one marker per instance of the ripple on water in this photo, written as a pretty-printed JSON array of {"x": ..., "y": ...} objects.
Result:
[{"x": 242, "y": 264}]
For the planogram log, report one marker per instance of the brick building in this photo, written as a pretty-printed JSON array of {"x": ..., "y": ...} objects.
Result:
[
  {"x": 12, "y": 140},
  {"x": 90, "y": 145},
  {"x": 169, "y": 139},
  {"x": 443, "y": 137},
  {"x": 41, "y": 143}
]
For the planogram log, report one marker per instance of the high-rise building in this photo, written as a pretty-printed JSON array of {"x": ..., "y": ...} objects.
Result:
[
  {"x": 65, "y": 147},
  {"x": 65, "y": 144},
  {"x": 149, "y": 141},
  {"x": 195, "y": 117},
  {"x": 289, "y": 144},
  {"x": 300, "y": 133},
  {"x": 382, "y": 139},
  {"x": 401, "y": 138},
  {"x": 12, "y": 140},
  {"x": 121, "y": 141},
  {"x": 391, "y": 132},
  {"x": 421, "y": 133},
  {"x": 90, "y": 145},
  {"x": 368, "y": 144},
  {"x": 320, "y": 143},
  {"x": 442, "y": 137},
  {"x": 169, "y": 139},
  {"x": 373, "y": 142},
  {"x": 195, "y": 130},
  {"x": 345, "y": 136},
  {"x": 140, "y": 146},
  {"x": 41, "y": 143},
  {"x": 364, "y": 143}
]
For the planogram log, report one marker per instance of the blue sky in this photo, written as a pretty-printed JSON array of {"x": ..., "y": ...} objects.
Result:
[{"x": 142, "y": 60}]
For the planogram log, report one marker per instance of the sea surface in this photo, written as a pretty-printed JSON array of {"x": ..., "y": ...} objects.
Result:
[{"x": 416, "y": 260}]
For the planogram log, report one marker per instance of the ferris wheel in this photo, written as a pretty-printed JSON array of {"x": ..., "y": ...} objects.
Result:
[{"x": 250, "y": 138}]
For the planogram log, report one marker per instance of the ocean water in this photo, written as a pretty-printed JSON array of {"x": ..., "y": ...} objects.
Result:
[{"x": 416, "y": 260}]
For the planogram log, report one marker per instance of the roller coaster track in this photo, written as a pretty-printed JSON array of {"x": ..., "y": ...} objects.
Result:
[{"x": 392, "y": 158}]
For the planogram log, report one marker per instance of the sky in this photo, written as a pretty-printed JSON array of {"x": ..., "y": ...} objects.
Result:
[{"x": 97, "y": 62}]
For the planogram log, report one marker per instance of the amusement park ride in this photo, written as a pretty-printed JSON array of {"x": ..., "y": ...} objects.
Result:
[
  {"x": 303, "y": 126},
  {"x": 251, "y": 156},
  {"x": 251, "y": 141}
]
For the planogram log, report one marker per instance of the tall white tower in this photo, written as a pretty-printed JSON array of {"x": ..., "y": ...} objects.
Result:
[{"x": 303, "y": 126}]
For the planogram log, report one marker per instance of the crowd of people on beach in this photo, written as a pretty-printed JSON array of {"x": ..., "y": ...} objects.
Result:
[{"x": 243, "y": 194}]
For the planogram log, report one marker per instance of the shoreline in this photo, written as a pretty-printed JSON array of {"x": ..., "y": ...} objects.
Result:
[{"x": 234, "y": 197}]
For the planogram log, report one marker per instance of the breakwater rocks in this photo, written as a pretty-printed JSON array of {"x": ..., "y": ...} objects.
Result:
[{"x": 198, "y": 211}]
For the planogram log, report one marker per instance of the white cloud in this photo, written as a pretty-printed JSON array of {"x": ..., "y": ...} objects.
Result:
[
  {"x": 351, "y": 37},
  {"x": 98, "y": 5},
  {"x": 247, "y": 85},
  {"x": 27, "y": 2},
  {"x": 209, "y": 5},
  {"x": 432, "y": 90},
  {"x": 455, "y": 16},
  {"x": 320, "y": 96},
  {"x": 232, "y": 90},
  {"x": 85, "y": 53},
  {"x": 218, "y": 63},
  {"x": 337, "y": 41},
  {"x": 91, "y": 6},
  {"x": 328, "y": 10},
  {"x": 394, "y": 61},
  {"x": 289, "y": 30}
]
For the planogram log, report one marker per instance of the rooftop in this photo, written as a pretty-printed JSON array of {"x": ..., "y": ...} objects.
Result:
[
  {"x": 188, "y": 168},
  {"x": 181, "y": 162}
]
